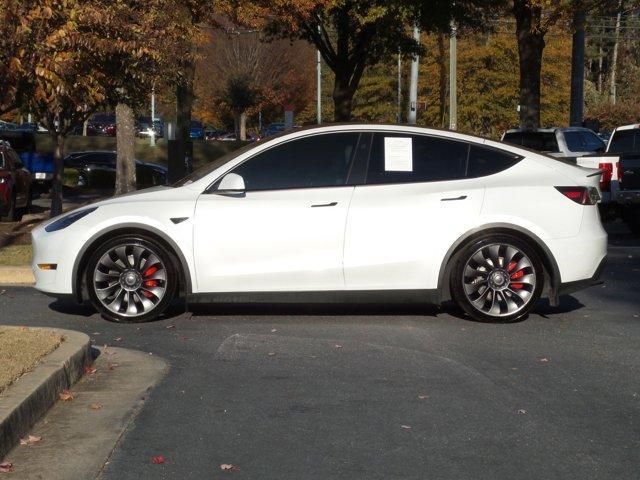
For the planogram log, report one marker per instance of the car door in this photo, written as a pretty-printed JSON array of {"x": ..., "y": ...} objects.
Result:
[
  {"x": 414, "y": 204},
  {"x": 285, "y": 232}
]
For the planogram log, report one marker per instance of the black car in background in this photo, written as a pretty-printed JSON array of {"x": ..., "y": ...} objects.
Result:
[
  {"x": 102, "y": 124},
  {"x": 97, "y": 169}
]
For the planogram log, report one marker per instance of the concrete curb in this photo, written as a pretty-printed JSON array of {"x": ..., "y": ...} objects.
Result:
[
  {"x": 24, "y": 402},
  {"x": 16, "y": 276}
]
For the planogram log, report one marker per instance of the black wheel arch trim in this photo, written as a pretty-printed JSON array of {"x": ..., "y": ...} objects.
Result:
[
  {"x": 103, "y": 235},
  {"x": 552, "y": 272}
]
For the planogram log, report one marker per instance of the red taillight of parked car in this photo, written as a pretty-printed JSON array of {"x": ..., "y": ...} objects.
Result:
[
  {"x": 581, "y": 195},
  {"x": 619, "y": 170},
  {"x": 607, "y": 174}
]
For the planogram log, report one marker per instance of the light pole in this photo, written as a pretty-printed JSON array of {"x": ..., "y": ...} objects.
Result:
[
  {"x": 413, "y": 89},
  {"x": 152, "y": 137},
  {"x": 453, "y": 74},
  {"x": 319, "y": 87},
  {"x": 399, "y": 109}
]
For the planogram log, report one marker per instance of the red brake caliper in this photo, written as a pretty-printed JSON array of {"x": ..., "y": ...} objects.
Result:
[
  {"x": 149, "y": 283},
  {"x": 515, "y": 275}
]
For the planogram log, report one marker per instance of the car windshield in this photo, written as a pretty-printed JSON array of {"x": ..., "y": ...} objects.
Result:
[{"x": 210, "y": 167}]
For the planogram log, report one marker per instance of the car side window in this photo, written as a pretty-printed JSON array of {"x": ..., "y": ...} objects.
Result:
[
  {"x": 3, "y": 163},
  {"x": 487, "y": 161},
  {"x": 308, "y": 162},
  {"x": 405, "y": 158}
]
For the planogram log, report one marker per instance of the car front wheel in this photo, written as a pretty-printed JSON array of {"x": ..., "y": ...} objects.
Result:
[
  {"x": 131, "y": 279},
  {"x": 497, "y": 278}
]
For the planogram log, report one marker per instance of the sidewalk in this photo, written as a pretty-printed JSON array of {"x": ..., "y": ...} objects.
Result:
[{"x": 16, "y": 275}]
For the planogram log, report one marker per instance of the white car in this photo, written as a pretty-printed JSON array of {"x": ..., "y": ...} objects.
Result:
[{"x": 338, "y": 213}]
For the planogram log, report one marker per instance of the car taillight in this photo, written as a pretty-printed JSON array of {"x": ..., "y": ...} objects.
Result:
[
  {"x": 581, "y": 195},
  {"x": 620, "y": 170},
  {"x": 607, "y": 174}
]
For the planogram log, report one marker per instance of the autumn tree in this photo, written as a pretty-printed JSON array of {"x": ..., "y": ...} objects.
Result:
[
  {"x": 354, "y": 34},
  {"x": 252, "y": 75},
  {"x": 534, "y": 18},
  {"x": 72, "y": 57}
]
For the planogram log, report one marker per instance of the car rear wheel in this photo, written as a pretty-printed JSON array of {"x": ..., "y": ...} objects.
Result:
[
  {"x": 497, "y": 278},
  {"x": 131, "y": 279}
]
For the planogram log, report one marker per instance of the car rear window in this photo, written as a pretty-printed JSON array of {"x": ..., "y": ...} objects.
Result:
[
  {"x": 485, "y": 161},
  {"x": 540, "y": 141},
  {"x": 624, "y": 141}
]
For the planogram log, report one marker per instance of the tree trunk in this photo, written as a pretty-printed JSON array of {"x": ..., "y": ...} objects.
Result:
[
  {"x": 58, "y": 172},
  {"x": 125, "y": 144},
  {"x": 442, "y": 81},
  {"x": 342, "y": 98},
  {"x": 243, "y": 126},
  {"x": 530, "y": 47},
  {"x": 614, "y": 58},
  {"x": 576, "y": 105}
]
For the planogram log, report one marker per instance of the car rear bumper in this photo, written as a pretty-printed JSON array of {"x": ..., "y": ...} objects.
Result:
[
  {"x": 628, "y": 197},
  {"x": 571, "y": 287}
]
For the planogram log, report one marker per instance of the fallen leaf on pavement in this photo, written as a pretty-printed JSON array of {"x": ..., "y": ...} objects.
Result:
[
  {"x": 30, "y": 440},
  {"x": 274, "y": 330},
  {"x": 158, "y": 459},
  {"x": 543, "y": 360},
  {"x": 406, "y": 427},
  {"x": 96, "y": 406},
  {"x": 521, "y": 412},
  {"x": 338, "y": 345},
  {"x": 423, "y": 396},
  {"x": 66, "y": 396},
  {"x": 113, "y": 366},
  {"x": 118, "y": 339},
  {"x": 271, "y": 354},
  {"x": 6, "y": 467},
  {"x": 227, "y": 467},
  {"x": 89, "y": 370},
  {"x": 170, "y": 326}
]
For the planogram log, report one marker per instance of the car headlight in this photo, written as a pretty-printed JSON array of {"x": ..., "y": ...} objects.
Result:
[
  {"x": 67, "y": 220},
  {"x": 2, "y": 180}
]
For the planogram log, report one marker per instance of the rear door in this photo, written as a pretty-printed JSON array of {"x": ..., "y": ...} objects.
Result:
[{"x": 415, "y": 202}]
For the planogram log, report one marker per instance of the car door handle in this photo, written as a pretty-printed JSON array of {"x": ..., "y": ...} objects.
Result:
[
  {"x": 451, "y": 199},
  {"x": 332, "y": 204}
]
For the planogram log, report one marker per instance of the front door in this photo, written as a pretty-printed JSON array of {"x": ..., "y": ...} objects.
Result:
[{"x": 286, "y": 233}]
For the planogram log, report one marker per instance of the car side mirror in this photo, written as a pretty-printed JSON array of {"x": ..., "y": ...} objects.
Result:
[{"x": 232, "y": 185}]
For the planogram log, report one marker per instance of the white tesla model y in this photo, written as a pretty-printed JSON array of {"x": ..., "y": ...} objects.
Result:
[{"x": 338, "y": 213}]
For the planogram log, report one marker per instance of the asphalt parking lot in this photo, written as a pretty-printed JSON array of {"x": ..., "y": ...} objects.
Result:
[{"x": 377, "y": 392}]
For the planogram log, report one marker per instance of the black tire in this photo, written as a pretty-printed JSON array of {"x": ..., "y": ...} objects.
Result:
[
  {"x": 131, "y": 242},
  {"x": 504, "y": 297}
]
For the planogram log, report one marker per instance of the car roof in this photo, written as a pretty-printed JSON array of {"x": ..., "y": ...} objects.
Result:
[
  {"x": 627, "y": 127},
  {"x": 549, "y": 130}
]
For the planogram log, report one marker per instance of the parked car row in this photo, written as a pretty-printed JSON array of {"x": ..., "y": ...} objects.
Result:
[{"x": 97, "y": 169}]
